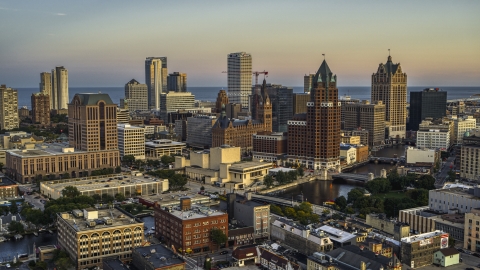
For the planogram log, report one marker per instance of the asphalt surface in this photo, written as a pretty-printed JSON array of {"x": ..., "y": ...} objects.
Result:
[{"x": 441, "y": 178}]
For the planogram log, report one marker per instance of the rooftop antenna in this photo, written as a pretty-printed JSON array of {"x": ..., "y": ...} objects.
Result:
[
  {"x": 388, "y": 52},
  {"x": 324, "y": 55}
]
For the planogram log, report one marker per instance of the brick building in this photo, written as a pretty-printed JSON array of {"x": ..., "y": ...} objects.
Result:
[
  {"x": 314, "y": 137},
  {"x": 40, "y": 109},
  {"x": 269, "y": 146},
  {"x": 188, "y": 228}
]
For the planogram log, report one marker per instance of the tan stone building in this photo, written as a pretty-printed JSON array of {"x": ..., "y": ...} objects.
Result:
[
  {"x": 41, "y": 109},
  {"x": 389, "y": 85},
  {"x": 8, "y": 108},
  {"x": 366, "y": 116},
  {"x": 472, "y": 230},
  {"x": 91, "y": 235}
]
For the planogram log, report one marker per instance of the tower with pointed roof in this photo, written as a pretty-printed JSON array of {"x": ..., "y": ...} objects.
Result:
[
  {"x": 314, "y": 137},
  {"x": 136, "y": 95},
  {"x": 389, "y": 85}
]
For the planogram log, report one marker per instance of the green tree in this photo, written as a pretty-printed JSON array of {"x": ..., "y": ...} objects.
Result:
[
  {"x": 281, "y": 177},
  {"x": 354, "y": 194},
  {"x": 128, "y": 160},
  {"x": 349, "y": 210},
  {"x": 167, "y": 159},
  {"x": 426, "y": 182},
  {"x": 70, "y": 192},
  {"x": 64, "y": 263},
  {"x": 107, "y": 198},
  {"x": 97, "y": 197},
  {"x": 268, "y": 181},
  {"x": 451, "y": 175},
  {"x": 301, "y": 171},
  {"x": 326, "y": 211},
  {"x": 451, "y": 242},
  {"x": 16, "y": 227},
  {"x": 290, "y": 212},
  {"x": 118, "y": 169},
  {"x": 202, "y": 188},
  {"x": 119, "y": 197},
  {"x": 276, "y": 209},
  {"x": 378, "y": 185},
  {"x": 420, "y": 196},
  {"x": 341, "y": 202},
  {"x": 65, "y": 176},
  {"x": 13, "y": 207},
  {"x": 218, "y": 237},
  {"x": 305, "y": 207}
]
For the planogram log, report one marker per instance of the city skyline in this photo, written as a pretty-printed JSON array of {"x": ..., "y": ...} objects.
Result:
[{"x": 433, "y": 40}]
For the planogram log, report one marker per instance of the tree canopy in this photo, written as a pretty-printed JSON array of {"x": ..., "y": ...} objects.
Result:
[
  {"x": 70, "y": 192},
  {"x": 218, "y": 236}
]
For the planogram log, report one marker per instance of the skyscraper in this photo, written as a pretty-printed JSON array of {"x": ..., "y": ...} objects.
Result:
[
  {"x": 46, "y": 86},
  {"x": 59, "y": 95},
  {"x": 389, "y": 85},
  {"x": 136, "y": 96},
  {"x": 8, "y": 108},
  {"x": 307, "y": 82},
  {"x": 239, "y": 78},
  {"x": 314, "y": 137},
  {"x": 281, "y": 100},
  {"x": 156, "y": 79},
  {"x": 366, "y": 116},
  {"x": 177, "y": 82},
  {"x": 92, "y": 123},
  {"x": 40, "y": 108},
  {"x": 427, "y": 103}
]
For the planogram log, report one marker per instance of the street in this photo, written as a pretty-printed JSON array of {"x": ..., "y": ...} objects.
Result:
[
  {"x": 194, "y": 261},
  {"x": 442, "y": 176}
]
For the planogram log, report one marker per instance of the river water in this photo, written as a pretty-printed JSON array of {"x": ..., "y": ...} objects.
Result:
[
  {"x": 318, "y": 192},
  {"x": 12, "y": 248}
]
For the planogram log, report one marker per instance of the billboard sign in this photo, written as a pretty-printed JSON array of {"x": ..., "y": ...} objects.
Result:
[
  {"x": 444, "y": 241},
  {"x": 425, "y": 242}
]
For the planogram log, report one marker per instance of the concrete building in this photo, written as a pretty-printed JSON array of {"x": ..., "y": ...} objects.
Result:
[
  {"x": 187, "y": 228},
  {"x": 239, "y": 74},
  {"x": 8, "y": 188},
  {"x": 199, "y": 130},
  {"x": 131, "y": 141},
  {"x": 300, "y": 103},
  {"x": 222, "y": 166},
  {"x": 349, "y": 153},
  {"x": 389, "y": 85},
  {"x": 418, "y": 250},
  {"x": 175, "y": 101},
  {"x": 352, "y": 140},
  {"x": 177, "y": 82},
  {"x": 320, "y": 126},
  {"x": 446, "y": 257},
  {"x": 136, "y": 95},
  {"x": 308, "y": 82},
  {"x": 23, "y": 113},
  {"x": 362, "y": 133},
  {"x": 362, "y": 152},
  {"x": 458, "y": 198},
  {"x": 92, "y": 123},
  {"x": 40, "y": 108},
  {"x": 300, "y": 238},
  {"x": 462, "y": 125},
  {"x": 45, "y": 86},
  {"x": 8, "y": 108},
  {"x": 397, "y": 229},
  {"x": 249, "y": 213},
  {"x": 377, "y": 245},
  {"x": 338, "y": 237},
  {"x": 431, "y": 102},
  {"x": 60, "y": 95},
  {"x": 273, "y": 261},
  {"x": 269, "y": 146},
  {"x": 469, "y": 155},
  {"x": 123, "y": 116},
  {"x": 472, "y": 230},
  {"x": 90, "y": 235},
  {"x": 156, "y": 80},
  {"x": 422, "y": 156},
  {"x": 156, "y": 149},
  {"x": 368, "y": 116},
  {"x": 107, "y": 185},
  {"x": 435, "y": 133},
  {"x": 156, "y": 257}
]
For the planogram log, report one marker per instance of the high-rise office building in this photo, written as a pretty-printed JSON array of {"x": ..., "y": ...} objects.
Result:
[
  {"x": 131, "y": 141},
  {"x": 427, "y": 103},
  {"x": 389, "y": 85},
  {"x": 174, "y": 101},
  {"x": 8, "y": 108},
  {"x": 366, "y": 116},
  {"x": 136, "y": 96},
  {"x": 177, "y": 82},
  {"x": 156, "y": 79},
  {"x": 92, "y": 123},
  {"x": 59, "y": 95},
  {"x": 307, "y": 82},
  {"x": 300, "y": 102},
  {"x": 41, "y": 108},
  {"x": 239, "y": 78},
  {"x": 281, "y": 99},
  {"x": 46, "y": 86},
  {"x": 314, "y": 137}
]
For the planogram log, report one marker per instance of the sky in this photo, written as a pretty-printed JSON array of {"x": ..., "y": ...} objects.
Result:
[{"x": 105, "y": 43}]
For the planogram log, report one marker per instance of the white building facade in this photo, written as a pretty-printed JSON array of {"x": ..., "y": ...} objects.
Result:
[
  {"x": 156, "y": 74},
  {"x": 463, "y": 125},
  {"x": 239, "y": 78},
  {"x": 421, "y": 155},
  {"x": 433, "y": 139},
  {"x": 131, "y": 141}
]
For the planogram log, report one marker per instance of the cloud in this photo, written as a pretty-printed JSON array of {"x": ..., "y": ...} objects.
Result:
[{"x": 61, "y": 14}]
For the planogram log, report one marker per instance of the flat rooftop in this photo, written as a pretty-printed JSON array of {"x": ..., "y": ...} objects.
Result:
[
  {"x": 249, "y": 165},
  {"x": 196, "y": 212},
  {"x": 173, "y": 199},
  {"x": 336, "y": 234},
  {"x": 157, "y": 256},
  {"x": 80, "y": 224},
  {"x": 419, "y": 237},
  {"x": 457, "y": 191},
  {"x": 5, "y": 181},
  {"x": 101, "y": 182},
  {"x": 163, "y": 143},
  {"x": 50, "y": 149}
]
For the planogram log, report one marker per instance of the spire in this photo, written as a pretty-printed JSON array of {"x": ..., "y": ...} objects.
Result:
[
  {"x": 263, "y": 89},
  {"x": 324, "y": 73}
]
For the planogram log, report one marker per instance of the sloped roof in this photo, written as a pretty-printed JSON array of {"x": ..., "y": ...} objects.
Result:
[
  {"x": 94, "y": 98},
  {"x": 449, "y": 251},
  {"x": 353, "y": 255}
]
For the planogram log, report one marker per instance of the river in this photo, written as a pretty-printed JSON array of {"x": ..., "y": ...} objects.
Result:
[
  {"x": 318, "y": 192},
  {"x": 12, "y": 248}
]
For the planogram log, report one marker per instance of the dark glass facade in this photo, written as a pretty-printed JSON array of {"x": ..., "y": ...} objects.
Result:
[
  {"x": 282, "y": 107},
  {"x": 431, "y": 102}
]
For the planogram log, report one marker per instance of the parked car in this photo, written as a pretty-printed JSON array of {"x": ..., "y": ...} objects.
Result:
[{"x": 224, "y": 252}]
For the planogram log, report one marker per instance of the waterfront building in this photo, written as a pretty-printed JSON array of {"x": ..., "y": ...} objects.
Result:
[
  {"x": 239, "y": 132},
  {"x": 431, "y": 102},
  {"x": 90, "y": 235},
  {"x": 352, "y": 140},
  {"x": 469, "y": 155},
  {"x": 46, "y": 86},
  {"x": 418, "y": 250},
  {"x": 8, "y": 108},
  {"x": 349, "y": 153},
  {"x": 156, "y": 79},
  {"x": 314, "y": 137},
  {"x": 156, "y": 257},
  {"x": 422, "y": 156},
  {"x": 462, "y": 125},
  {"x": 433, "y": 139},
  {"x": 199, "y": 130},
  {"x": 102, "y": 185},
  {"x": 175, "y": 101},
  {"x": 177, "y": 82},
  {"x": 131, "y": 141},
  {"x": 269, "y": 146},
  {"x": 389, "y": 85},
  {"x": 40, "y": 109},
  {"x": 445, "y": 128},
  {"x": 239, "y": 77},
  {"x": 60, "y": 96},
  {"x": 362, "y": 152},
  {"x": 136, "y": 96},
  {"x": 367, "y": 116},
  {"x": 156, "y": 149},
  {"x": 187, "y": 228}
]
